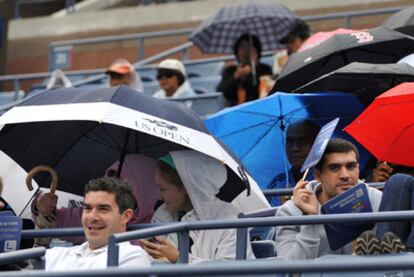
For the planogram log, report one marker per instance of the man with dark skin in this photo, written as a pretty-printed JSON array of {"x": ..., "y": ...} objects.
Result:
[{"x": 300, "y": 136}]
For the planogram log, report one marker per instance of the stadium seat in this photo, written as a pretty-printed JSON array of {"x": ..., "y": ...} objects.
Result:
[
  {"x": 264, "y": 248},
  {"x": 195, "y": 70},
  {"x": 205, "y": 84},
  {"x": 204, "y": 104}
]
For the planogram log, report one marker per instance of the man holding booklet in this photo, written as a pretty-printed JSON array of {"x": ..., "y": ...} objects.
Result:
[{"x": 336, "y": 172}]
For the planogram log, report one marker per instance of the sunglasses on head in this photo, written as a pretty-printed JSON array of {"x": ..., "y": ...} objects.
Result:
[{"x": 166, "y": 74}]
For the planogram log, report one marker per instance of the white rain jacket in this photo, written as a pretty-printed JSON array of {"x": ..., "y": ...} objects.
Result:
[
  {"x": 184, "y": 90},
  {"x": 202, "y": 177}
]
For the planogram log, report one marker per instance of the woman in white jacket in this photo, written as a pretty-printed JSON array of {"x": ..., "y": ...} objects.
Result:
[
  {"x": 172, "y": 78},
  {"x": 189, "y": 182}
]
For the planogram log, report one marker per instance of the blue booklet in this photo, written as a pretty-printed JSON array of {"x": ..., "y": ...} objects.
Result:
[
  {"x": 354, "y": 200},
  {"x": 10, "y": 232}
]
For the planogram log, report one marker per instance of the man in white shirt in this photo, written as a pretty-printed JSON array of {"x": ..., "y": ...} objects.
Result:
[{"x": 109, "y": 205}]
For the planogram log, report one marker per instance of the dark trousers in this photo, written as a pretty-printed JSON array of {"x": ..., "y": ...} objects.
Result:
[{"x": 398, "y": 195}]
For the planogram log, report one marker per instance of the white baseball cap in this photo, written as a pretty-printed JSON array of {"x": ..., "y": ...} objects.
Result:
[{"x": 173, "y": 64}]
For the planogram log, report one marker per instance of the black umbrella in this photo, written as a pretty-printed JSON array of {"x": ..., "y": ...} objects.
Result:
[
  {"x": 402, "y": 21},
  {"x": 364, "y": 80},
  {"x": 378, "y": 45},
  {"x": 80, "y": 132}
]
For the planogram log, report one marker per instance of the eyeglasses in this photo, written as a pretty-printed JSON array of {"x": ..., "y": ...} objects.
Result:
[{"x": 167, "y": 74}]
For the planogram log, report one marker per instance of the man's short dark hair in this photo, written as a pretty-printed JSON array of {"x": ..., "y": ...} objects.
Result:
[
  {"x": 337, "y": 146},
  {"x": 124, "y": 195},
  {"x": 300, "y": 29}
]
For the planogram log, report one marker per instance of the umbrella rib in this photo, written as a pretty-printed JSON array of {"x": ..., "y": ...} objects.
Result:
[{"x": 247, "y": 128}]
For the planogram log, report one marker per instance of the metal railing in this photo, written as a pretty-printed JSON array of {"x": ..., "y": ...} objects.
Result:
[
  {"x": 183, "y": 228},
  {"x": 17, "y": 256},
  {"x": 140, "y": 37},
  {"x": 253, "y": 268},
  {"x": 246, "y": 267}
]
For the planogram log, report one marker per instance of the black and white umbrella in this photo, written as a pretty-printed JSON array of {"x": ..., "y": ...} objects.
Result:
[
  {"x": 81, "y": 132},
  {"x": 402, "y": 21},
  {"x": 269, "y": 22},
  {"x": 378, "y": 45},
  {"x": 364, "y": 80}
]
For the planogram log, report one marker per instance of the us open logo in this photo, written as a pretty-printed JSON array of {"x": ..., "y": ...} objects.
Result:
[
  {"x": 163, "y": 129},
  {"x": 363, "y": 37}
]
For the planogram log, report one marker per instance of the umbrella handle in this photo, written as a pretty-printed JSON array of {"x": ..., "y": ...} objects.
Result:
[{"x": 42, "y": 168}]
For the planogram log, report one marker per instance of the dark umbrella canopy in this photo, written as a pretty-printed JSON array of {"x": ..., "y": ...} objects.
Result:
[
  {"x": 269, "y": 22},
  {"x": 378, "y": 45},
  {"x": 402, "y": 21},
  {"x": 364, "y": 80},
  {"x": 81, "y": 132}
]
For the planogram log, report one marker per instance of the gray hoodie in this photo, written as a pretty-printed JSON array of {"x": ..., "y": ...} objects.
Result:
[
  {"x": 310, "y": 241},
  {"x": 202, "y": 177}
]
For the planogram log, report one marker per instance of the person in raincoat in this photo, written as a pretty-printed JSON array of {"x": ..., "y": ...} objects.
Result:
[
  {"x": 188, "y": 183},
  {"x": 121, "y": 72},
  {"x": 137, "y": 170},
  {"x": 172, "y": 78},
  {"x": 58, "y": 80}
]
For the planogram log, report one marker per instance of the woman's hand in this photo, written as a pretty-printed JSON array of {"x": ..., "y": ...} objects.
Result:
[{"x": 161, "y": 249}]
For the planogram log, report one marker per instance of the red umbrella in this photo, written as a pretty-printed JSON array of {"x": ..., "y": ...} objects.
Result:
[
  {"x": 386, "y": 127},
  {"x": 319, "y": 37}
]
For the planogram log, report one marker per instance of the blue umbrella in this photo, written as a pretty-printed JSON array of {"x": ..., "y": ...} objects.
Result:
[{"x": 255, "y": 131}]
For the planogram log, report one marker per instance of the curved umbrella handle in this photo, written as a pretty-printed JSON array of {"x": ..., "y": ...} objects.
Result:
[{"x": 42, "y": 168}]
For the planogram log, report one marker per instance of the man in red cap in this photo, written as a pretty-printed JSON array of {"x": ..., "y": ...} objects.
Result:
[{"x": 121, "y": 72}]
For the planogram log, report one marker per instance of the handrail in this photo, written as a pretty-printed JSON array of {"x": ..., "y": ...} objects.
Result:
[
  {"x": 38, "y": 75},
  {"x": 104, "y": 39},
  {"x": 184, "y": 227},
  {"x": 72, "y": 231},
  {"x": 16, "y": 256},
  {"x": 252, "y": 267},
  {"x": 156, "y": 57}
]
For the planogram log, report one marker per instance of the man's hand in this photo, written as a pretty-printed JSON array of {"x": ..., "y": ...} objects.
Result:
[
  {"x": 381, "y": 172},
  {"x": 305, "y": 199},
  {"x": 161, "y": 250},
  {"x": 46, "y": 203}
]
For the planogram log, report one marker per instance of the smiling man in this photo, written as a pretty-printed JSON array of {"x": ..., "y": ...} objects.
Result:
[
  {"x": 109, "y": 205},
  {"x": 336, "y": 172}
]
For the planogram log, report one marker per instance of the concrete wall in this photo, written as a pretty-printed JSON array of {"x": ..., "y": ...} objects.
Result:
[{"x": 29, "y": 38}]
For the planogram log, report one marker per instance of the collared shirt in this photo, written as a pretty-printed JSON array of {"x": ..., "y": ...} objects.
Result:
[{"x": 81, "y": 257}]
